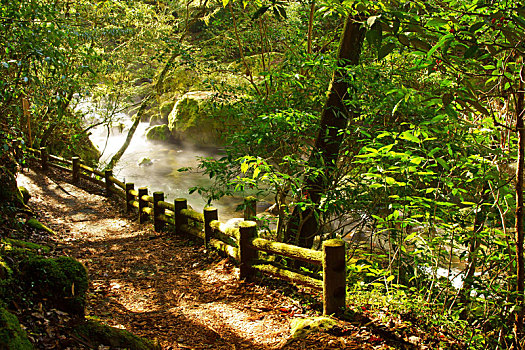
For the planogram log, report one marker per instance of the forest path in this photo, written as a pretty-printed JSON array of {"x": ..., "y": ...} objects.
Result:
[
  {"x": 168, "y": 288},
  {"x": 158, "y": 286}
]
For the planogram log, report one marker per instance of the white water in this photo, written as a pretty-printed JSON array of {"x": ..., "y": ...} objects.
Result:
[{"x": 162, "y": 174}]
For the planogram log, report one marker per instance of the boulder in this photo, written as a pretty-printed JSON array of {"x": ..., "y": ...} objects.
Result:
[
  {"x": 145, "y": 161},
  {"x": 61, "y": 282},
  {"x": 158, "y": 133},
  {"x": 196, "y": 118},
  {"x": 300, "y": 327}
]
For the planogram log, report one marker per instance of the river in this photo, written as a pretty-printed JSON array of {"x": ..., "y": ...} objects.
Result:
[{"x": 162, "y": 174}]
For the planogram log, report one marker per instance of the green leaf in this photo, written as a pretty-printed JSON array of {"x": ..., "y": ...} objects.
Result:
[
  {"x": 519, "y": 21},
  {"x": 261, "y": 11},
  {"x": 437, "y": 22},
  {"x": 385, "y": 50},
  {"x": 374, "y": 35},
  {"x": 225, "y": 2},
  {"x": 471, "y": 51},
  {"x": 440, "y": 43},
  {"x": 443, "y": 163},
  {"x": 407, "y": 135},
  {"x": 410, "y": 236},
  {"x": 476, "y": 26}
]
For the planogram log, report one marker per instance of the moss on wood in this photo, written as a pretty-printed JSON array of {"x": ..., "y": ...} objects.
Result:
[
  {"x": 225, "y": 248},
  {"x": 34, "y": 223},
  {"x": 25, "y": 194},
  {"x": 288, "y": 275},
  {"x": 288, "y": 250},
  {"x": 193, "y": 215},
  {"x": 225, "y": 229}
]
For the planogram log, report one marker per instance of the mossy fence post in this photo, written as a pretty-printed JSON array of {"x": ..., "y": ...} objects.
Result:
[
  {"x": 143, "y": 216},
  {"x": 109, "y": 183},
  {"x": 180, "y": 220},
  {"x": 129, "y": 197},
  {"x": 250, "y": 208},
  {"x": 75, "y": 169},
  {"x": 44, "y": 158},
  {"x": 210, "y": 214},
  {"x": 158, "y": 211},
  {"x": 334, "y": 276},
  {"x": 247, "y": 231}
]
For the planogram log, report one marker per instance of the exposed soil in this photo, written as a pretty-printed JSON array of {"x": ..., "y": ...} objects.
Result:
[{"x": 169, "y": 288}]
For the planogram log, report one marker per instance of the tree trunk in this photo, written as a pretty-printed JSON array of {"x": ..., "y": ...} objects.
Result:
[
  {"x": 303, "y": 226},
  {"x": 520, "y": 115},
  {"x": 116, "y": 157}
]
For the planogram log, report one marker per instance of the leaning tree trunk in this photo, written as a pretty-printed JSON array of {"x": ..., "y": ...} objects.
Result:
[
  {"x": 520, "y": 127},
  {"x": 144, "y": 104},
  {"x": 116, "y": 157},
  {"x": 304, "y": 225}
]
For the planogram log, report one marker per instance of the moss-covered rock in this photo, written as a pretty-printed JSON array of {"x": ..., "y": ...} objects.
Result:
[
  {"x": 300, "y": 327},
  {"x": 113, "y": 337},
  {"x": 12, "y": 336},
  {"x": 196, "y": 117},
  {"x": 144, "y": 161},
  {"x": 158, "y": 133},
  {"x": 60, "y": 282}
]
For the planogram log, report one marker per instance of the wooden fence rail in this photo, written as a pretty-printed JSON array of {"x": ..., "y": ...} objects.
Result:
[{"x": 241, "y": 244}]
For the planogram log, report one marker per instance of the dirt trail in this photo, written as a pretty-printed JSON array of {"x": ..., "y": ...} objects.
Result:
[
  {"x": 159, "y": 286},
  {"x": 168, "y": 288}
]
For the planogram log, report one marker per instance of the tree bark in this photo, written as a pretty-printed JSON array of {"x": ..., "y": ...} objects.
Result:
[
  {"x": 520, "y": 115},
  {"x": 328, "y": 142}
]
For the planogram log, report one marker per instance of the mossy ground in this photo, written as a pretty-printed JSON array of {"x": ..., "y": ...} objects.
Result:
[{"x": 12, "y": 336}]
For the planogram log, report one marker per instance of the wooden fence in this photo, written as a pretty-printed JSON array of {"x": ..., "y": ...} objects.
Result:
[{"x": 241, "y": 244}]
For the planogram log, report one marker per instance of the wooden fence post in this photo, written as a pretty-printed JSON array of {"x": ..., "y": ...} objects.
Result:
[
  {"x": 157, "y": 210},
  {"x": 143, "y": 191},
  {"x": 334, "y": 276},
  {"x": 180, "y": 203},
  {"x": 43, "y": 158},
  {"x": 250, "y": 208},
  {"x": 109, "y": 184},
  {"x": 129, "y": 197},
  {"x": 76, "y": 169},
  {"x": 247, "y": 231},
  {"x": 210, "y": 214}
]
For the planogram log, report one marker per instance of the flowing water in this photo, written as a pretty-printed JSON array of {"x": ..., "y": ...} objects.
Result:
[{"x": 162, "y": 174}]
